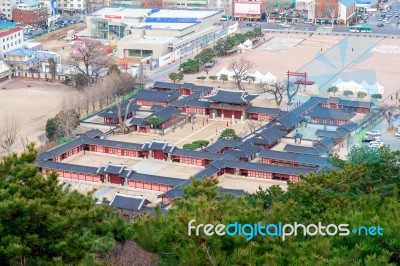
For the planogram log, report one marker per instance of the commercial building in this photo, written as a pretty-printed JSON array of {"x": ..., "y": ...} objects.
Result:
[
  {"x": 71, "y": 6},
  {"x": 51, "y": 7},
  {"x": 248, "y": 10},
  {"x": 154, "y": 33},
  {"x": 11, "y": 37},
  {"x": 6, "y": 7},
  {"x": 30, "y": 13},
  {"x": 340, "y": 11}
]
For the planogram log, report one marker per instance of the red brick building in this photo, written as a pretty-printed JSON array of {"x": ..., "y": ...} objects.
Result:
[{"x": 30, "y": 13}]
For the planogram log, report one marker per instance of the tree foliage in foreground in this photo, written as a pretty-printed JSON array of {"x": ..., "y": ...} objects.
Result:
[
  {"x": 360, "y": 194},
  {"x": 45, "y": 223}
]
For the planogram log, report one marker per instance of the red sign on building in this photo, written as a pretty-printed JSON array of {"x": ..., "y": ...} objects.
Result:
[{"x": 112, "y": 16}]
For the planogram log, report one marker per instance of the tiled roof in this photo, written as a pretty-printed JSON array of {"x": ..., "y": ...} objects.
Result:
[
  {"x": 294, "y": 157},
  {"x": 153, "y": 178},
  {"x": 279, "y": 169},
  {"x": 263, "y": 110},
  {"x": 197, "y": 154},
  {"x": 268, "y": 135},
  {"x": 248, "y": 148},
  {"x": 67, "y": 167},
  {"x": 155, "y": 145},
  {"x": 112, "y": 112},
  {"x": 196, "y": 103},
  {"x": 350, "y": 103},
  {"x": 231, "y": 96},
  {"x": 113, "y": 169},
  {"x": 334, "y": 134},
  {"x": 166, "y": 85},
  {"x": 158, "y": 96},
  {"x": 304, "y": 150},
  {"x": 222, "y": 143},
  {"x": 167, "y": 113},
  {"x": 207, "y": 172},
  {"x": 330, "y": 113},
  {"x": 157, "y": 107},
  {"x": 334, "y": 100},
  {"x": 289, "y": 120},
  {"x": 128, "y": 202},
  {"x": 349, "y": 126},
  {"x": 93, "y": 133},
  {"x": 312, "y": 102},
  {"x": 138, "y": 121}
]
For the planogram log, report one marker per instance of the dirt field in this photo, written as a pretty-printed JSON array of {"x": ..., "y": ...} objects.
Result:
[
  {"x": 283, "y": 52},
  {"x": 54, "y": 41},
  {"x": 31, "y": 106}
]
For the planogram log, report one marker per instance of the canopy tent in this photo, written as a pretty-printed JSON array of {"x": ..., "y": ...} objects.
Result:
[
  {"x": 269, "y": 78},
  {"x": 375, "y": 88},
  {"x": 248, "y": 44},
  {"x": 350, "y": 86},
  {"x": 259, "y": 76},
  {"x": 225, "y": 72},
  {"x": 241, "y": 48}
]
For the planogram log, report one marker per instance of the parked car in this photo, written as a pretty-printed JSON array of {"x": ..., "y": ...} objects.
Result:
[
  {"x": 397, "y": 15},
  {"x": 284, "y": 25},
  {"x": 368, "y": 139},
  {"x": 374, "y": 133},
  {"x": 397, "y": 135},
  {"x": 380, "y": 19},
  {"x": 376, "y": 144},
  {"x": 387, "y": 22},
  {"x": 380, "y": 25}
]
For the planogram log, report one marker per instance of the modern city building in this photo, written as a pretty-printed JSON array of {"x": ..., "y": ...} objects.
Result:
[
  {"x": 71, "y": 6},
  {"x": 6, "y": 7}
]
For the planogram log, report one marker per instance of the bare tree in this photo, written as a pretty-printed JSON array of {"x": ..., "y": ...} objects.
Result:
[
  {"x": 88, "y": 57},
  {"x": 86, "y": 100},
  {"x": 332, "y": 10},
  {"x": 278, "y": 89},
  {"x": 66, "y": 122},
  {"x": 122, "y": 120},
  {"x": 24, "y": 142},
  {"x": 8, "y": 133},
  {"x": 291, "y": 90},
  {"x": 387, "y": 110},
  {"x": 42, "y": 139},
  {"x": 251, "y": 125},
  {"x": 240, "y": 69}
]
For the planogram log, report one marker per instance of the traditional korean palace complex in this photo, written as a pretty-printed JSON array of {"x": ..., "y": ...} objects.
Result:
[{"x": 250, "y": 156}]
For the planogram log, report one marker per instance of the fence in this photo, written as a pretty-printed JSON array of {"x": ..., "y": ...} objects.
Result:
[
  {"x": 372, "y": 35},
  {"x": 44, "y": 76}
]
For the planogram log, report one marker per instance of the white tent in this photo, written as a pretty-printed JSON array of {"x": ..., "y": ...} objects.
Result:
[
  {"x": 375, "y": 88},
  {"x": 248, "y": 44},
  {"x": 269, "y": 78},
  {"x": 242, "y": 48},
  {"x": 225, "y": 72},
  {"x": 258, "y": 75},
  {"x": 351, "y": 86}
]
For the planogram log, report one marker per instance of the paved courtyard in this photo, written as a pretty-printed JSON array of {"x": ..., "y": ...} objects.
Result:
[
  {"x": 144, "y": 166},
  {"x": 248, "y": 184}
]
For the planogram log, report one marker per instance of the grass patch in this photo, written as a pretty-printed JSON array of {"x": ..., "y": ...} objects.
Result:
[{"x": 361, "y": 135}]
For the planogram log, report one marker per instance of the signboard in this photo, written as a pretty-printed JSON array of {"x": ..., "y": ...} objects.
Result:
[
  {"x": 53, "y": 7},
  {"x": 165, "y": 59},
  {"x": 112, "y": 16},
  {"x": 247, "y": 9}
]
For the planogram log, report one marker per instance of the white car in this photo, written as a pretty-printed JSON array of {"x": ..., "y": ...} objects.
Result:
[
  {"x": 374, "y": 133},
  {"x": 284, "y": 25},
  {"x": 376, "y": 144},
  {"x": 397, "y": 135}
]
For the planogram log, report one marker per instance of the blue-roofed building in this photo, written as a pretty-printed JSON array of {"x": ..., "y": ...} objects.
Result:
[
  {"x": 153, "y": 97},
  {"x": 26, "y": 59}
]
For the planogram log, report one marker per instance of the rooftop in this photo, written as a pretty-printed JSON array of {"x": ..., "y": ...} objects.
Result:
[
  {"x": 231, "y": 96},
  {"x": 184, "y": 13},
  {"x": 161, "y": 26},
  {"x": 128, "y": 202},
  {"x": 117, "y": 12}
]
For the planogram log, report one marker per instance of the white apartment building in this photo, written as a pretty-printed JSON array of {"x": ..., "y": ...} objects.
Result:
[
  {"x": 11, "y": 39},
  {"x": 71, "y": 6},
  {"x": 6, "y": 7}
]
